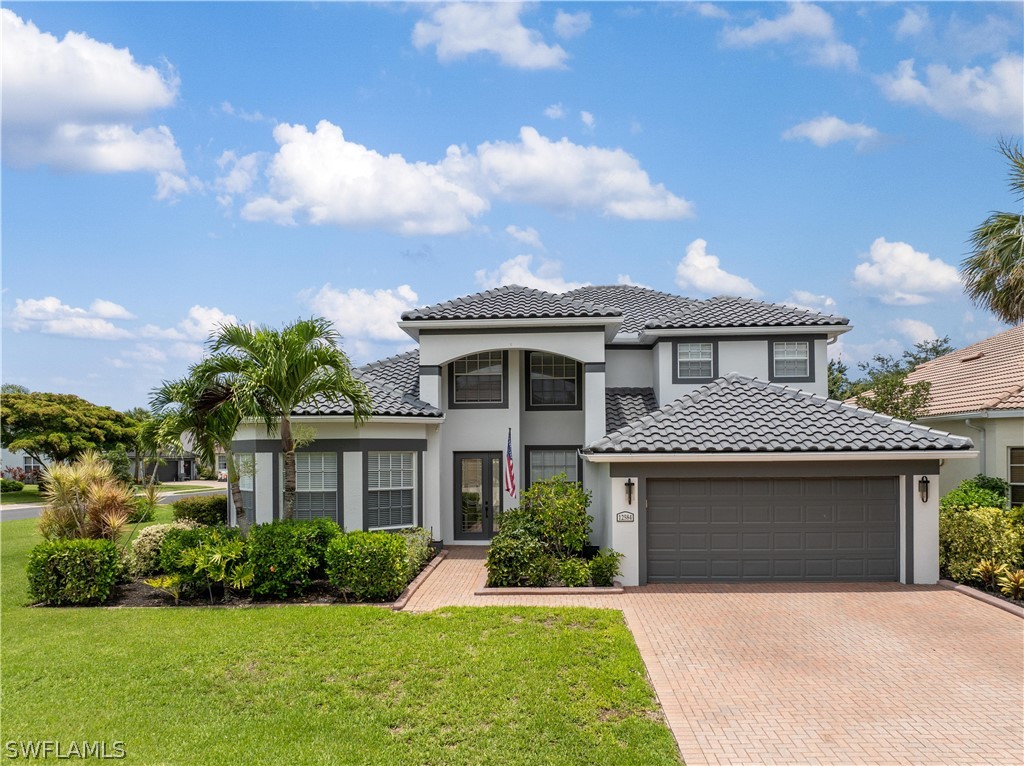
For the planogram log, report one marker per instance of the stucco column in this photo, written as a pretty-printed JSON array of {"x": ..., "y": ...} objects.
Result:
[
  {"x": 926, "y": 532},
  {"x": 625, "y": 520},
  {"x": 430, "y": 385},
  {"x": 593, "y": 402}
]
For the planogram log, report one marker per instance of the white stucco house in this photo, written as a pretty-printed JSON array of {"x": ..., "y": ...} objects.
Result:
[{"x": 701, "y": 428}]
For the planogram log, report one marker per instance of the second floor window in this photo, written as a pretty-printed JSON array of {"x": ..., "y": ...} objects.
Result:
[
  {"x": 478, "y": 378},
  {"x": 792, "y": 359},
  {"x": 695, "y": 361},
  {"x": 554, "y": 381}
]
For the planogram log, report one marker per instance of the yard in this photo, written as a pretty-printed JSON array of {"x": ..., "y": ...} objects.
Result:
[
  {"x": 325, "y": 684},
  {"x": 30, "y": 494}
]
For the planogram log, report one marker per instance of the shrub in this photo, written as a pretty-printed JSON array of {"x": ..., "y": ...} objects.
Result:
[
  {"x": 285, "y": 553},
  {"x": 76, "y": 571},
  {"x": 147, "y": 544},
  {"x": 120, "y": 464},
  {"x": 218, "y": 560},
  {"x": 991, "y": 483},
  {"x": 372, "y": 566},
  {"x": 543, "y": 571},
  {"x": 417, "y": 544},
  {"x": 84, "y": 500},
  {"x": 967, "y": 537},
  {"x": 211, "y": 510},
  {"x": 513, "y": 560},
  {"x": 16, "y": 473},
  {"x": 574, "y": 572},
  {"x": 559, "y": 508},
  {"x": 522, "y": 519},
  {"x": 316, "y": 535},
  {"x": 177, "y": 540},
  {"x": 605, "y": 567},
  {"x": 10, "y": 485},
  {"x": 142, "y": 512},
  {"x": 967, "y": 495},
  {"x": 1011, "y": 584}
]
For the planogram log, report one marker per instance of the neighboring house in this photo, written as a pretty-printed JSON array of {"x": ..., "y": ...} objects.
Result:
[
  {"x": 978, "y": 392},
  {"x": 15, "y": 459},
  {"x": 745, "y": 472}
]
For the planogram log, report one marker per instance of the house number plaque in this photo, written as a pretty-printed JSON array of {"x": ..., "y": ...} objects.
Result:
[{"x": 624, "y": 516}]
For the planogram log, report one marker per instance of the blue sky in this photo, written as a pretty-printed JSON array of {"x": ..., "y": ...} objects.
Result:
[{"x": 170, "y": 166}]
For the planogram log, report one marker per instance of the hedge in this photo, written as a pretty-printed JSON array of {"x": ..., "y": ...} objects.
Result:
[
  {"x": 78, "y": 571},
  {"x": 211, "y": 511},
  {"x": 371, "y": 566}
]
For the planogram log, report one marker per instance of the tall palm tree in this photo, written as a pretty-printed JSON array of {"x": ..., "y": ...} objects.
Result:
[
  {"x": 202, "y": 406},
  {"x": 993, "y": 273},
  {"x": 271, "y": 372}
]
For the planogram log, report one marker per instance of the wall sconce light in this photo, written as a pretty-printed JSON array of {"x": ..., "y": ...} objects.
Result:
[
  {"x": 922, "y": 487},
  {"x": 629, "y": 491}
]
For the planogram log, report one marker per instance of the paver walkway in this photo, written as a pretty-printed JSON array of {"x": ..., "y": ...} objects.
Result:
[{"x": 809, "y": 674}]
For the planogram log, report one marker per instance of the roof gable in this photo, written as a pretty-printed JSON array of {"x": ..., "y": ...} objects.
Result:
[{"x": 740, "y": 414}]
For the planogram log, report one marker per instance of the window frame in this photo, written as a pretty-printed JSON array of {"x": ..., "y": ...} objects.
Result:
[
  {"x": 686, "y": 341},
  {"x": 337, "y": 491},
  {"x": 528, "y": 451},
  {"x": 455, "y": 405},
  {"x": 528, "y": 378},
  {"x": 1009, "y": 474},
  {"x": 809, "y": 377},
  {"x": 415, "y": 489}
]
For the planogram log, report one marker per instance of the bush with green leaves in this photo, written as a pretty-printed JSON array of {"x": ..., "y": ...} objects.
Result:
[
  {"x": 211, "y": 511},
  {"x": 10, "y": 485},
  {"x": 177, "y": 541},
  {"x": 605, "y": 567},
  {"x": 970, "y": 494},
  {"x": 519, "y": 519},
  {"x": 218, "y": 561},
  {"x": 574, "y": 572},
  {"x": 121, "y": 464},
  {"x": 969, "y": 536},
  {"x": 417, "y": 543},
  {"x": 559, "y": 510},
  {"x": 143, "y": 511},
  {"x": 286, "y": 555},
  {"x": 369, "y": 566},
  {"x": 512, "y": 559},
  {"x": 991, "y": 483},
  {"x": 145, "y": 558},
  {"x": 77, "y": 571}
]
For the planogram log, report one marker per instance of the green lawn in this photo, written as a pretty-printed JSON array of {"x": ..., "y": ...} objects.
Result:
[
  {"x": 30, "y": 494},
  {"x": 325, "y": 684}
]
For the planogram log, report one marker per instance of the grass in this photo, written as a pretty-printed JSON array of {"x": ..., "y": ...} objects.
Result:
[
  {"x": 312, "y": 685},
  {"x": 30, "y": 494}
]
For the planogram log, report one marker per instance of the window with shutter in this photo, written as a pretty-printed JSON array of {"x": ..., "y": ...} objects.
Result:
[{"x": 391, "y": 490}]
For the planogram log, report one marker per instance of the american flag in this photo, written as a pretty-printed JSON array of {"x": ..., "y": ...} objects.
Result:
[{"x": 510, "y": 471}]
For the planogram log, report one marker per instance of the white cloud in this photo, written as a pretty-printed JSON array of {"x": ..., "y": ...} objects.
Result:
[
  {"x": 228, "y": 108},
  {"x": 587, "y": 119},
  {"x": 199, "y": 323},
  {"x": 829, "y": 129},
  {"x": 527, "y": 236},
  {"x": 367, "y": 320},
  {"x": 239, "y": 175},
  {"x": 913, "y": 23},
  {"x": 518, "y": 271},
  {"x": 703, "y": 272},
  {"x": 570, "y": 25},
  {"x": 335, "y": 181},
  {"x": 462, "y": 29},
  {"x": 555, "y": 111},
  {"x": 566, "y": 176},
  {"x": 914, "y": 330},
  {"x": 625, "y": 279},
  {"x": 109, "y": 310},
  {"x": 899, "y": 275},
  {"x": 710, "y": 11},
  {"x": 992, "y": 99},
  {"x": 326, "y": 179},
  {"x": 51, "y": 315},
  {"x": 804, "y": 299},
  {"x": 804, "y": 24},
  {"x": 70, "y": 104}
]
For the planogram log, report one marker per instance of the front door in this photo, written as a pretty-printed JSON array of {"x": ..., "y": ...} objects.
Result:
[{"x": 477, "y": 494}]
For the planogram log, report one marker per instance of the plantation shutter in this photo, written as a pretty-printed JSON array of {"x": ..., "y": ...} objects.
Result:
[
  {"x": 391, "y": 485},
  {"x": 316, "y": 485}
]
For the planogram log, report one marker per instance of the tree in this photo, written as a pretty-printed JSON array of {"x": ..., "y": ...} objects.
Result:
[
  {"x": 269, "y": 372},
  {"x": 205, "y": 408},
  {"x": 60, "y": 426},
  {"x": 140, "y": 415},
  {"x": 884, "y": 387},
  {"x": 13, "y": 388},
  {"x": 993, "y": 274},
  {"x": 839, "y": 384}
]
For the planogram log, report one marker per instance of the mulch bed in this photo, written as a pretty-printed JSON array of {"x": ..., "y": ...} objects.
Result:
[{"x": 137, "y": 593}]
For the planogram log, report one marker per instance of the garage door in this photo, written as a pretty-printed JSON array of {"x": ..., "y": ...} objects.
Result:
[{"x": 773, "y": 529}]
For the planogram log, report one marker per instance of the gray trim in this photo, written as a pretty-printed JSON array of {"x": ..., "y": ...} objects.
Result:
[
  {"x": 508, "y": 329},
  {"x": 593, "y": 366},
  {"x": 339, "y": 445},
  {"x": 417, "y": 519},
  {"x": 909, "y": 526},
  {"x": 430, "y": 369},
  {"x": 641, "y": 519},
  {"x": 502, "y": 405},
  {"x": 782, "y": 469},
  {"x": 809, "y": 340},
  {"x": 485, "y": 457},
  {"x": 694, "y": 339},
  {"x": 632, "y": 346},
  {"x": 527, "y": 377},
  {"x": 276, "y": 465},
  {"x": 527, "y": 449},
  {"x": 419, "y": 489}
]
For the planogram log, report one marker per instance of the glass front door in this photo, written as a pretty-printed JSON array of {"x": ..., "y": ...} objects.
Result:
[{"x": 477, "y": 494}]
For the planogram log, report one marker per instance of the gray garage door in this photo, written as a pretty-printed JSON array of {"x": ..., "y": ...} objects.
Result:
[{"x": 773, "y": 529}]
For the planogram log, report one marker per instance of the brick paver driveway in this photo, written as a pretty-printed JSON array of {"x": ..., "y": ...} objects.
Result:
[{"x": 808, "y": 674}]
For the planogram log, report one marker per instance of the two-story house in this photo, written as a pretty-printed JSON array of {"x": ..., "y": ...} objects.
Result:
[{"x": 701, "y": 428}]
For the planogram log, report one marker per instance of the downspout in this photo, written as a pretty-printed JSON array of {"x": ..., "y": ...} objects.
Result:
[{"x": 981, "y": 444}]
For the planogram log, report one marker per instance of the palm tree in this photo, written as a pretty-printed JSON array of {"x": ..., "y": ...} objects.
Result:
[
  {"x": 202, "y": 407},
  {"x": 993, "y": 273},
  {"x": 271, "y": 372}
]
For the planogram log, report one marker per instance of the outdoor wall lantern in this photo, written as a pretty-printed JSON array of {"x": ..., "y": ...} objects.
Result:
[
  {"x": 922, "y": 487},
  {"x": 629, "y": 491}
]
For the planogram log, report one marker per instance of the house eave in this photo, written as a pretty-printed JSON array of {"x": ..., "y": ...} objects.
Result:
[
  {"x": 994, "y": 414},
  {"x": 832, "y": 331},
  {"x": 412, "y": 327},
  {"x": 771, "y": 457}
]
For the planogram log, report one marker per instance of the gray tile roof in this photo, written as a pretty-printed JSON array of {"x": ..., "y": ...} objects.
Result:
[
  {"x": 624, "y": 405},
  {"x": 742, "y": 312},
  {"x": 401, "y": 371},
  {"x": 511, "y": 302},
  {"x": 393, "y": 384},
  {"x": 740, "y": 414},
  {"x": 637, "y": 304}
]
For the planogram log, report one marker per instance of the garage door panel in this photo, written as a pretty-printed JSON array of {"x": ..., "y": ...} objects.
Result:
[{"x": 764, "y": 529}]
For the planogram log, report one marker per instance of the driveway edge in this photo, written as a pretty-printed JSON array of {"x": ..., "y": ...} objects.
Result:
[{"x": 988, "y": 598}]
